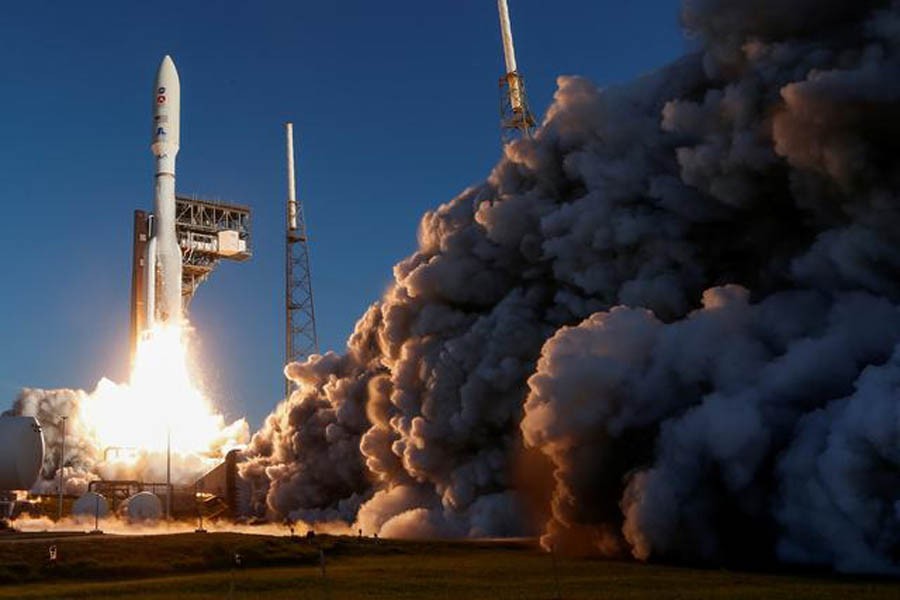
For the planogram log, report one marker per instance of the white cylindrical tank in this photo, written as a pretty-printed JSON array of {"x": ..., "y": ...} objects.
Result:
[
  {"x": 21, "y": 452},
  {"x": 143, "y": 506},
  {"x": 90, "y": 505}
]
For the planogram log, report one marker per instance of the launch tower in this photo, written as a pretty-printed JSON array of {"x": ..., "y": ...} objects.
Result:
[
  {"x": 300, "y": 314},
  {"x": 516, "y": 120},
  {"x": 207, "y": 232}
]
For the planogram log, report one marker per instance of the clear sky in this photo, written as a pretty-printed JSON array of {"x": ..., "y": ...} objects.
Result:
[{"x": 395, "y": 111}]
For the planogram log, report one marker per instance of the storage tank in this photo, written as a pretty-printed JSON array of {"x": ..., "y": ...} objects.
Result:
[
  {"x": 90, "y": 505},
  {"x": 143, "y": 506},
  {"x": 21, "y": 452}
]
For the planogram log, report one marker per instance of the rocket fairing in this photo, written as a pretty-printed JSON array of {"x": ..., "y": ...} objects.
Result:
[{"x": 163, "y": 261}]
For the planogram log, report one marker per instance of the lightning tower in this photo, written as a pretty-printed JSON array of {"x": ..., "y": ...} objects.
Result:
[
  {"x": 300, "y": 314},
  {"x": 516, "y": 120}
]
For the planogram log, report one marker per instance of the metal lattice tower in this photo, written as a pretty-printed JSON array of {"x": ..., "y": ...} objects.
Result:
[
  {"x": 516, "y": 120},
  {"x": 300, "y": 314}
]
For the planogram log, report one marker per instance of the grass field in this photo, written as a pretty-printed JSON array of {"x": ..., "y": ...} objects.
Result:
[{"x": 198, "y": 566}]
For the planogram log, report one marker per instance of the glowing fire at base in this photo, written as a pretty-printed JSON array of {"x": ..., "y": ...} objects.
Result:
[{"x": 133, "y": 422}]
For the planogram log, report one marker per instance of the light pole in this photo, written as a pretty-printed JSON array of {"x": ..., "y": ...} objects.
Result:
[
  {"x": 97, "y": 515},
  {"x": 62, "y": 461},
  {"x": 199, "y": 504},
  {"x": 168, "y": 473}
]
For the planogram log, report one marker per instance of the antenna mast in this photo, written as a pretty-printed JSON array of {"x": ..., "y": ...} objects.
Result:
[
  {"x": 300, "y": 315},
  {"x": 516, "y": 120}
]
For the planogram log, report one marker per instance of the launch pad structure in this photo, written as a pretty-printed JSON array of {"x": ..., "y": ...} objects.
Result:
[
  {"x": 220, "y": 493},
  {"x": 207, "y": 232},
  {"x": 174, "y": 250},
  {"x": 516, "y": 119}
]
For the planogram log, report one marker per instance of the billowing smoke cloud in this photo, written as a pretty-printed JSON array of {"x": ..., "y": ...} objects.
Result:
[
  {"x": 82, "y": 456},
  {"x": 130, "y": 431},
  {"x": 89, "y": 456},
  {"x": 683, "y": 295},
  {"x": 712, "y": 421}
]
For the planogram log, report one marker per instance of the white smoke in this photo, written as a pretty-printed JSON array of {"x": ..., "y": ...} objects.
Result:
[
  {"x": 82, "y": 456},
  {"x": 88, "y": 457}
]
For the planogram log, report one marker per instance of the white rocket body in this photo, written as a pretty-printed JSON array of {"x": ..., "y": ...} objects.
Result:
[
  {"x": 163, "y": 264},
  {"x": 516, "y": 97}
]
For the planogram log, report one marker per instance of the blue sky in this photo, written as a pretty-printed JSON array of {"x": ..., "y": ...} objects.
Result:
[{"x": 395, "y": 112}]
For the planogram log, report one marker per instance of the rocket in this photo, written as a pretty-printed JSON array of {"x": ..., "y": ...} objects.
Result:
[{"x": 162, "y": 287}]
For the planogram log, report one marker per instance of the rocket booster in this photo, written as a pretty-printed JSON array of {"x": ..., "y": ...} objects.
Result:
[{"x": 163, "y": 286}]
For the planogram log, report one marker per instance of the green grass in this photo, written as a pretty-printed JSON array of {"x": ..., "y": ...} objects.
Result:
[{"x": 200, "y": 566}]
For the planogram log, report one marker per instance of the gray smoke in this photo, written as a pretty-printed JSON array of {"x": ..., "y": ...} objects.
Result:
[
  {"x": 718, "y": 415},
  {"x": 682, "y": 296}
]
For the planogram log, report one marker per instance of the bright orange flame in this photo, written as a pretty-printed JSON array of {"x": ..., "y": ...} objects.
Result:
[{"x": 160, "y": 405}]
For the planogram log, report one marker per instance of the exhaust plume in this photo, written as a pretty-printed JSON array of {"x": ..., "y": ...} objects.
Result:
[{"x": 121, "y": 431}]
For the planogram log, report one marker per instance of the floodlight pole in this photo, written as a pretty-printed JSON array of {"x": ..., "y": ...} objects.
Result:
[
  {"x": 199, "y": 506},
  {"x": 62, "y": 460},
  {"x": 168, "y": 473},
  {"x": 96, "y": 514}
]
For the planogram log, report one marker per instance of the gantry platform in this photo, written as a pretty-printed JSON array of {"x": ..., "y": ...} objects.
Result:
[{"x": 208, "y": 231}]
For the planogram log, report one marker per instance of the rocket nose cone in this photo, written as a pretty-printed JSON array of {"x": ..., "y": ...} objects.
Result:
[
  {"x": 167, "y": 69},
  {"x": 166, "y": 109}
]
